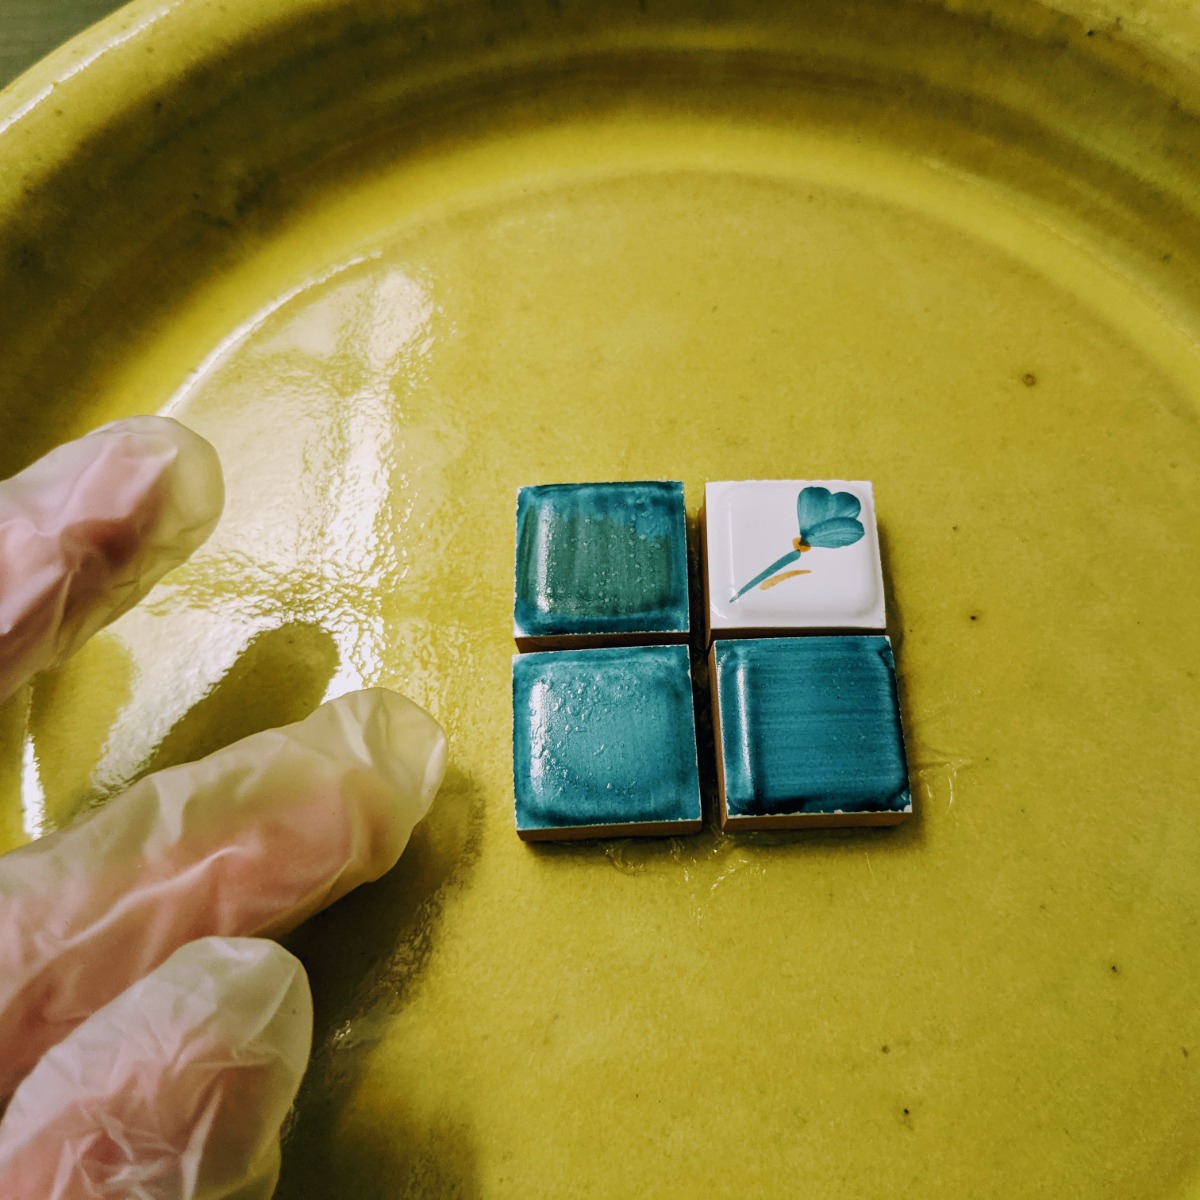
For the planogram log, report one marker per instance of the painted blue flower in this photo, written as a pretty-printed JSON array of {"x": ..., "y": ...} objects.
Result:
[{"x": 828, "y": 521}]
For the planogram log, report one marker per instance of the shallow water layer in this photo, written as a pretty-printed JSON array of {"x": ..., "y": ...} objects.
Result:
[{"x": 997, "y": 999}]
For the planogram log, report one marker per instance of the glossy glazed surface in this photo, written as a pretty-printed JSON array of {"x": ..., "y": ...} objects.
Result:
[
  {"x": 394, "y": 271},
  {"x": 604, "y": 738},
  {"x": 792, "y": 554},
  {"x": 601, "y": 559},
  {"x": 811, "y": 726}
]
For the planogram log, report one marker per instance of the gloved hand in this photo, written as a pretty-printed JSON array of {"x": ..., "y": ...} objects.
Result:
[{"x": 150, "y": 1041}]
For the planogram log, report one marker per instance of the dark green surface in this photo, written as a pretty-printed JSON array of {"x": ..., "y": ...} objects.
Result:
[{"x": 30, "y": 29}]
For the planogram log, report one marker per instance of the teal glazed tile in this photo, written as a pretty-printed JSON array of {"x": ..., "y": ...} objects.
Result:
[
  {"x": 600, "y": 564},
  {"x": 808, "y": 732},
  {"x": 604, "y": 743}
]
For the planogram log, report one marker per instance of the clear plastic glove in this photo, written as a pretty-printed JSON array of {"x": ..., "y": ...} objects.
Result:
[
  {"x": 177, "y": 1088},
  {"x": 88, "y": 530},
  {"x": 166, "y": 1063}
]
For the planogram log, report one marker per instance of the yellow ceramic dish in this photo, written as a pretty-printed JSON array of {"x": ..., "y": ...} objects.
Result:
[{"x": 396, "y": 259}]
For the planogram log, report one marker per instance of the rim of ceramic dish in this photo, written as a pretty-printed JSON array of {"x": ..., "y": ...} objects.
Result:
[
  {"x": 108, "y": 77},
  {"x": 1101, "y": 96},
  {"x": 146, "y": 45}
]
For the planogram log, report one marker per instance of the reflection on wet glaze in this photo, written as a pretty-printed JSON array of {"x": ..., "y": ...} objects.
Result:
[
  {"x": 311, "y": 400},
  {"x": 33, "y": 795}
]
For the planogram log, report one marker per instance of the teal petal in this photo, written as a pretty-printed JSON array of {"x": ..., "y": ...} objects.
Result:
[
  {"x": 835, "y": 533},
  {"x": 815, "y": 505}
]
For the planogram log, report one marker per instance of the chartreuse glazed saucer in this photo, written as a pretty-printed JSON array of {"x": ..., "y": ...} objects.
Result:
[{"x": 398, "y": 260}]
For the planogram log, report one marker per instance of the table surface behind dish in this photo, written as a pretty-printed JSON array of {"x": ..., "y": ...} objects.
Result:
[{"x": 30, "y": 29}]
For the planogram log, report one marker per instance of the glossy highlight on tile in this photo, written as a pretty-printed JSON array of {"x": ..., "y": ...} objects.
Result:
[
  {"x": 791, "y": 556},
  {"x": 604, "y": 743},
  {"x": 808, "y": 732},
  {"x": 600, "y": 563}
]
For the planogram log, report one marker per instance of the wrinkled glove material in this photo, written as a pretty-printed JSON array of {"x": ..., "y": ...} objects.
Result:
[
  {"x": 175, "y": 1090},
  {"x": 87, "y": 531},
  {"x": 249, "y": 841},
  {"x": 151, "y": 1043}
]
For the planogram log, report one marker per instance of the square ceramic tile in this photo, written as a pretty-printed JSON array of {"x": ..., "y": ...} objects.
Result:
[
  {"x": 808, "y": 732},
  {"x": 791, "y": 555},
  {"x": 604, "y": 743},
  {"x": 600, "y": 564}
]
